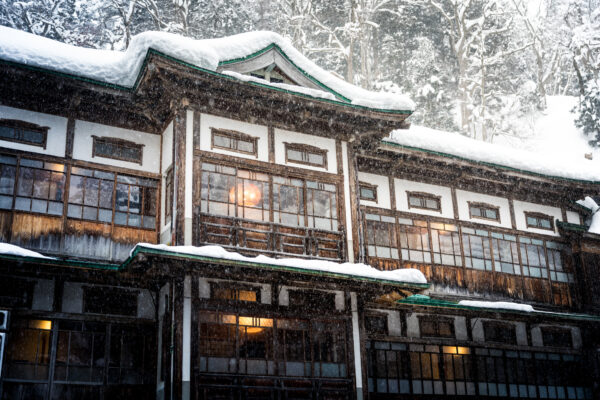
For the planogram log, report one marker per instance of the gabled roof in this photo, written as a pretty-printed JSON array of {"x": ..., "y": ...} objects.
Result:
[{"x": 122, "y": 70}]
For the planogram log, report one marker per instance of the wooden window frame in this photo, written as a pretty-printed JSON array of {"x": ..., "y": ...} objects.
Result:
[
  {"x": 377, "y": 315},
  {"x": 234, "y": 136},
  {"x": 556, "y": 329},
  {"x": 538, "y": 216},
  {"x": 502, "y": 325},
  {"x": 19, "y": 124},
  {"x": 367, "y": 186},
  {"x": 437, "y": 320},
  {"x": 234, "y": 287},
  {"x": 484, "y": 206},
  {"x": 306, "y": 148},
  {"x": 104, "y": 290},
  {"x": 424, "y": 196},
  {"x": 117, "y": 142}
]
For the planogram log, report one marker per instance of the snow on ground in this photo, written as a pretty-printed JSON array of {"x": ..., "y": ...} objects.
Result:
[
  {"x": 591, "y": 204},
  {"x": 122, "y": 68},
  {"x": 556, "y": 148},
  {"x": 12, "y": 250},
  {"x": 406, "y": 275},
  {"x": 501, "y": 305}
]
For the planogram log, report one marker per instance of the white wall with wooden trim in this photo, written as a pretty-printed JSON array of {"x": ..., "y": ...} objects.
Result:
[
  {"x": 445, "y": 193},
  {"x": 208, "y": 121},
  {"x": 83, "y": 142},
  {"x": 283, "y": 136},
  {"x": 383, "y": 190},
  {"x": 521, "y": 207},
  {"x": 57, "y": 134},
  {"x": 166, "y": 162},
  {"x": 463, "y": 198}
]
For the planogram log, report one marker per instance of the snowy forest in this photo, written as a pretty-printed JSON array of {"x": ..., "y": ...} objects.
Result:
[{"x": 484, "y": 68}]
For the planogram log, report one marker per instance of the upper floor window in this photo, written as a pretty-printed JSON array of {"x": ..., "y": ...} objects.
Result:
[
  {"x": 484, "y": 211},
  {"x": 23, "y": 132},
  {"x": 222, "y": 291},
  {"x": 376, "y": 324},
  {"x": 556, "y": 337},
  {"x": 430, "y": 326},
  {"x": 110, "y": 300},
  {"x": 539, "y": 221},
  {"x": 368, "y": 192},
  {"x": 425, "y": 201},
  {"x": 234, "y": 141},
  {"x": 499, "y": 332},
  {"x": 305, "y": 154},
  {"x": 117, "y": 149},
  {"x": 381, "y": 236}
]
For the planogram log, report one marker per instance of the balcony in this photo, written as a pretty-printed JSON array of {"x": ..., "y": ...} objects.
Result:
[{"x": 257, "y": 237}]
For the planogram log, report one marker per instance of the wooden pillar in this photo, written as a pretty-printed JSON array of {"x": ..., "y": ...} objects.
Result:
[
  {"x": 178, "y": 348},
  {"x": 351, "y": 202},
  {"x": 357, "y": 349},
  {"x": 183, "y": 155}
]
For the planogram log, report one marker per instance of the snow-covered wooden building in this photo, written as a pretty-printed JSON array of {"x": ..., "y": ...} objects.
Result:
[{"x": 137, "y": 190}]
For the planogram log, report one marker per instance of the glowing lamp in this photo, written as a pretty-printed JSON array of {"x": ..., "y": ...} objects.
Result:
[{"x": 247, "y": 194}]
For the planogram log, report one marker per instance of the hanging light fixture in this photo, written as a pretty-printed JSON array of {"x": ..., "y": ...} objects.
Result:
[{"x": 248, "y": 194}]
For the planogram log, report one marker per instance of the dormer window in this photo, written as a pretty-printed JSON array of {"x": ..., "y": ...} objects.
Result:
[
  {"x": 539, "y": 221},
  {"x": 117, "y": 149},
  {"x": 23, "y": 132},
  {"x": 368, "y": 192},
  {"x": 234, "y": 141},
  {"x": 484, "y": 211},
  {"x": 305, "y": 154},
  {"x": 424, "y": 201}
]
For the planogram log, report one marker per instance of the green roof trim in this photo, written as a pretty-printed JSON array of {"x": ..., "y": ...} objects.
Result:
[
  {"x": 151, "y": 51},
  {"x": 489, "y": 164},
  {"x": 147, "y": 250},
  {"x": 571, "y": 227},
  {"x": 426, "y": 301}
]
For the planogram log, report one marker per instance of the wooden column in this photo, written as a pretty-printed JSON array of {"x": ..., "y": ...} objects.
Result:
[{"x": 179, "y": 161}]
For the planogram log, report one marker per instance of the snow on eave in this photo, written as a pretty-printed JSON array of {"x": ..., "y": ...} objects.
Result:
[
  {"x": 501, "y": 305},
  {"x": 122, "y": 69},
  {"x": 454, "y": 145},
  {"x": 408, "y": 276},
  {"x": 12, "y": 250}
]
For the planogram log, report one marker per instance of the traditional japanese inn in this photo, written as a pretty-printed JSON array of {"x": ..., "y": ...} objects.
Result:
[{"x": 223, "y": 219}]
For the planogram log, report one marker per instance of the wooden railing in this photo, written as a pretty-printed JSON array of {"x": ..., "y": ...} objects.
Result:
[{"x": 269, "y": 238}]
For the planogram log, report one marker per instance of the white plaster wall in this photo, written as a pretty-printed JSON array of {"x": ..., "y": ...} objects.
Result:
[
  {"x": 57, "y": 134},
  {"x": 145, "y": 305},
  {"x": 573, "y": 217},
  {"x": 522, "y": 206},
  {"x": 460, "y": 328},
  {"x": 72, "y": 298},
  {"x": 208, "y": 121},
  {"x": 401, "y": 186},
  {"x": 43, "y": 295},
  {"x": 521, "y": 331},
  {"x": 82, "y": 145},
  {"x": 346, "y": 172},
  {"x": 383, "y": 190},
  {"x": 412, "y": 325},
  {"x": 536, "y": 336},
  {"x": 282, "y": 136},
  {"x": 167, "y": 147},
  {"x": 463, "y": 197}
]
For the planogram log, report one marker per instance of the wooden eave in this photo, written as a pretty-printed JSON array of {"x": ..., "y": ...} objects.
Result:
[
  {"x": 473, "y": 176},
  {"x": 165, "y": 84}
]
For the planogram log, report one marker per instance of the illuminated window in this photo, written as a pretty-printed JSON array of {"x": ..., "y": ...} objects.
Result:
[
  {"x": 484, "y": 211},
  {"x": 28, "y": 349},
  {"x": 446, "y": 244},
  {"x": 23, "y": 132},
  {"x": 414, "y": 240},
  {"x": 221, "y": 291},
  {"x": 117, "y": 149},
  {"x": 305, "y": 154},
  {"x": 40, "y": 187},
  {"x": 234, "y": 141},
  {"x": 367, "y": 191},
  {"x": 539, "y": 221},
  {"x": 425, "y": 201}
]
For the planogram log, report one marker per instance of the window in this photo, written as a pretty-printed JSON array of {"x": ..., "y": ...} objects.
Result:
[
  {"x": 23, "y": 132},
  {"x": 499, "y": 332},
  {"x": 305, "y": 154},
  {"x": 135, "y": 202},
  {"x": 312, "y": 299},
  {"x": 414, "y": 240},
  {"x": 559, "y": 271},
  {"x": 430, "y": 326},
  {"x": 376, "y": 324},
  {"x": 321, "y": 205},
  {"x": 484, "y": 211},
  {"x": 477, "y": 249},
  {"x": 169, "y": 188},
  {"x": 28, "y": 349},
  {"x": 80, "y": 351},
  {"x": 533, "y": 257},
  {"x": 222, "y": 291},
  {"x": 539, "y": 221},
  {"x": 39, "y": 187},
  {"x": 556, "y": 337},
  {"x": 506, "y": 253},
  {"x": 288, "y": 201},
  {"x": 91, "y": 195},
  {"x": 424, "y": 201},
  {"x": 110, "y": 300},
  {"x": 367, "y": 191},
  {"x": 117, "y": 149},
  {"x": 234, "y": 141},
  {"x": 381, "y": 236},
  {"x": 446, "y": 244}
]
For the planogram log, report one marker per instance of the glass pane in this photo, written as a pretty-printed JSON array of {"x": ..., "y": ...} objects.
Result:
[
  {"x": 122, "y": 201},
  {"x": 294, "y": 155},
  {"x": 6, "y": 202},
  {"x": 76, "y": 189},
  {"x": 149, "y": 201},
  {"x": 316, "y": 159},
  {"x": 91, "y": 192},
  {"x": 222, "y": 141},
  {"x": 74, "y": 211},
  {"x": 7, "y": 179},
  {"x": 7, "y": 132},
  {"x": 104, "y": 215},
  {"x": 32, "y": 136},
  {"x": 25, "y": 186},
  {"x": 90, "y": 213},
  {"x": 57, "y": 186},
  {"x": 106, "y": 194},
  {"x": 492, "y": 214},
  {"x": 23, "y": 203},
  {"x": 39, "y": 205}
]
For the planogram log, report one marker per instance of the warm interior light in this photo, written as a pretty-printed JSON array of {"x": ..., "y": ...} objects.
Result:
[
  {"x": 43, "y": 324},
  {"x": 253, "y": 330},
  {"x": 248, "y": 194},
  {"x": 464, "y": 350}
]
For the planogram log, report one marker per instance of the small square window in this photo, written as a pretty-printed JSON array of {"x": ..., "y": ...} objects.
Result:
[{"x": 368, "y": 192}]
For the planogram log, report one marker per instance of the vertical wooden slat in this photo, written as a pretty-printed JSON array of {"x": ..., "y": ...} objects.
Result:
[
  {"x": 70, "y": 138},
  {"x": 354, "y": 204},
  {"x": 179, "y": 132},
  {"x": 271, "y": 144}
]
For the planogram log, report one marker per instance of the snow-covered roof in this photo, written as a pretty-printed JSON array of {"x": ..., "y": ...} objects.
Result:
[
  {"x": 591, "y": 205},
  {"x": 555, "y": 152},
  {"x": 123, "y": 68}
]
